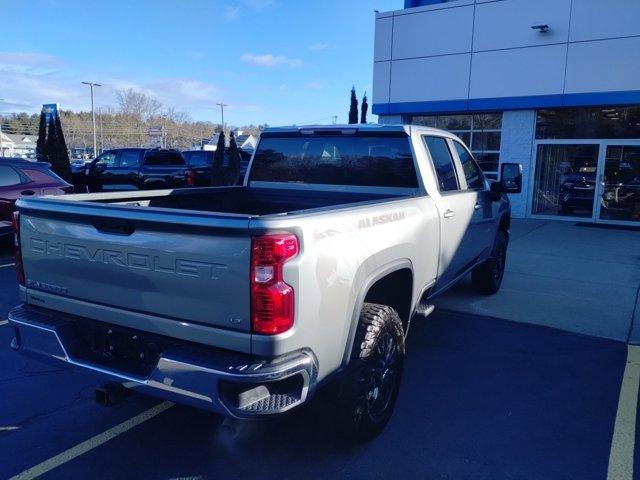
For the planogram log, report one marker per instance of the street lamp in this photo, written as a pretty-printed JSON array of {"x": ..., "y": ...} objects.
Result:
[
  {"x": 93, "y": 117},
  {"x": 1, "y": 149},
  {"x": 222, "y": 105}
]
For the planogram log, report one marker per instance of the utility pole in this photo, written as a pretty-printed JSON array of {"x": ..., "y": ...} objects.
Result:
[
  {"x": 222, "y": 105},
  {"x": 93, "y": 118},
  {"x": 335, "y": 119},
  {"x": 101, "y": 133}
]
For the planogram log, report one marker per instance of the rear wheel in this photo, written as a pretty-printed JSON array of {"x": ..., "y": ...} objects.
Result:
[
  {"x": 373, "y": 379},
  {"x": 487, "y": 277}
]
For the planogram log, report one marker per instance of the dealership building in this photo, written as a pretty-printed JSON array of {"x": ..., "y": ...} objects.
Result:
[{"x": 551, "y": 84}]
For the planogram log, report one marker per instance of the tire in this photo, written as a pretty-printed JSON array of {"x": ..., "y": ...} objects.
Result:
[
  {"x": 487, "y": 277},
  {"x": 372, "y": 382}
]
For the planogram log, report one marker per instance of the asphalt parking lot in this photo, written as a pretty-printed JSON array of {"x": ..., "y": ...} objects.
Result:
[{"x": 481, "y": 398}]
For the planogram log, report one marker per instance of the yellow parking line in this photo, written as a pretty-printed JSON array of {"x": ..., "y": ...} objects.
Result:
[
  {"x": 624, "y": 431},
  {"x": 92, "y": 443}
]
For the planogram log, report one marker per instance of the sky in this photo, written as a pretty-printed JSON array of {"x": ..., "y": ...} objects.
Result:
[{"x": 272, "y": 61}]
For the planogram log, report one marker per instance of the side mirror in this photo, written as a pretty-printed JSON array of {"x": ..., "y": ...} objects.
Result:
[
  {"x": 510, "y": 178},
  {"x": 99, "y": 167}
]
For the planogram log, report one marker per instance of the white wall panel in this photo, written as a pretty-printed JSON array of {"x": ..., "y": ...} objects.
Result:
[
  {"x": 382, "y": 45},
  {"x": 518, "y": 72},
  {"x": 507, "y": 24},
  {"x": 430, "y": 79},
  {"x": 438, "y": 32},
  {"x": 604, "y": 66},
  {"x": 599, "y": 19},
  {"x": 381, "y": 82}
]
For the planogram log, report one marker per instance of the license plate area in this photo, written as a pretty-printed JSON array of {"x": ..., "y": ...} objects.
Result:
[{"x": 119, "y": 349}]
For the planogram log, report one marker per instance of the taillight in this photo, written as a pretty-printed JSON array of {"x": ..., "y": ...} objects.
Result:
[
  {"x": 272, "y": 305},
  {"x": 17, "y": 253},
  {"x": 191, "y": 178}
]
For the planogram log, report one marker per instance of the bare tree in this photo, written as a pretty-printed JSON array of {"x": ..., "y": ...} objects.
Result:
[{"x": 138, "y": 104}]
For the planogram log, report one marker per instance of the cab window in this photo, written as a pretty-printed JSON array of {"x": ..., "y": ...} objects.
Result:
[
  {"x": 9, "y": 177},
  {"x": 472, "y": 172},
  {"x": 443, "y": 163}
]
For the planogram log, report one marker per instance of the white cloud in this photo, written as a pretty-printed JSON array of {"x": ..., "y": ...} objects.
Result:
[
  {"x": 314, "y": 85},
  {"x": 319, "y": 46},
  {"x": 269, "y": 60}
]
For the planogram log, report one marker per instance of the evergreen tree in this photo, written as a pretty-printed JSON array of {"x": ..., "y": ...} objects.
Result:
[
  {"x": 41, "y": 154},
  {"x": 364, "y": 109},
  {"x": 50, "y": 144},
  {"x": 61, "y": 154},
  {"x": 217, "y": 168},
  {"x": 353, "y": 109},
  {"x": 233, "y": 170}
]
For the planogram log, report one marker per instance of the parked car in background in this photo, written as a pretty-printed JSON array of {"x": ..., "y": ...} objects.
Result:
[
  {"x": 133, "y": 169},
  {"x": 23, "y": 178},
  {"x": 201, "y": 161}
]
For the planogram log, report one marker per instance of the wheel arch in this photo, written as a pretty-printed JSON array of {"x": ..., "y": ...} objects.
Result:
[{"x": 391, "y": 285}]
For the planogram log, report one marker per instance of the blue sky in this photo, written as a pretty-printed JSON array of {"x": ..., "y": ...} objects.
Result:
[{"x": 272, "y": 61}]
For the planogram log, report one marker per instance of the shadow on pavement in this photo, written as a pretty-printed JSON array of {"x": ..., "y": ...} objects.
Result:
[{"x": 481, "y": 398}]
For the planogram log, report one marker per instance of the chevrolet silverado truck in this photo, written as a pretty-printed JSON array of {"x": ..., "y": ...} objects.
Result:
[{"x": 244, "y": 300}]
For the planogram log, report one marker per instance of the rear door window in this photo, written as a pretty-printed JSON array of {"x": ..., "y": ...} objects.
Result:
[
  {"x": 9, "y": 177},
  {"x": 198, "y": 158},
  {"x": 443, "y": 163},
  {"x": 376, "y": 161},
  {"x": 163, "y": 158},
  {"x": 130, "y": 158}
]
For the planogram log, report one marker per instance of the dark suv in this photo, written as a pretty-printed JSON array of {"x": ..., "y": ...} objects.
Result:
[
  {"x": 134, "y": 169},
  {"x": 201, "y": 163},
  {"x": 22, "y": 178}
]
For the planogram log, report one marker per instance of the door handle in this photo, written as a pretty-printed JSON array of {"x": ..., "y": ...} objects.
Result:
[
  {"x": 27, "y": 192},
  {"x": 477, "y": 206},
  {"x": 449, "y": 214}
]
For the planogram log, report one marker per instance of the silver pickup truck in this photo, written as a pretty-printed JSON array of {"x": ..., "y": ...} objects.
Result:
[{"x": 244, "y": 300}]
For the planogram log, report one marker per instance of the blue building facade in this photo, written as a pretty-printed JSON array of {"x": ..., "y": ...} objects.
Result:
[{"x": 552, "y": 84}]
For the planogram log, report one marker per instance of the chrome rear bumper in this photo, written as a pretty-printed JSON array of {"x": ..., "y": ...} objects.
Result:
[{"x": 225, "y": 382}]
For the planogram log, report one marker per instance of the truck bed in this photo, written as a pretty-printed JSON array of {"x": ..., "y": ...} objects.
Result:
[{"x": 241, "y": 200}]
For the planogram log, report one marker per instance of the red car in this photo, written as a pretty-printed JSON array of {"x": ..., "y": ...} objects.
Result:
[{"x": 22, "y": 178}]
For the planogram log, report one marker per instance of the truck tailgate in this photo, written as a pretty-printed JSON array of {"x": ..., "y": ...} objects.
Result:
[{"x": 176, "y": 265}]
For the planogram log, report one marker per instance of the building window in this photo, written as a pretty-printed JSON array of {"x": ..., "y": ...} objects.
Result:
[
  {"x": 593, "y": 123},
  {"x": 481, "y": 132}
]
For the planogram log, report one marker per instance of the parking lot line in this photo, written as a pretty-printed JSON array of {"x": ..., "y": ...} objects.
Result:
[
  {"x": 8, "y": 265},
  {"x": 92, "y": 443},
  {"x": 3, "y": 322},
  {"x": 624, "y": 432}
]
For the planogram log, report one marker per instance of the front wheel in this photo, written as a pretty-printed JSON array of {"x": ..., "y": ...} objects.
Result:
[
  {"x": 373, "y": 379},
  {"x": 487, "y": 277}
]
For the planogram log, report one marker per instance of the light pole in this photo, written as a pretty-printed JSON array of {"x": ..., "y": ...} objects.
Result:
[
  {"x": 222, "y": 105},
  {"x": 1, "y": 149},
  {"x": 93, "y": 118}
]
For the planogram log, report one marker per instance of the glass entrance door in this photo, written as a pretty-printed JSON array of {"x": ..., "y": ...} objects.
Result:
[
  {"x": 565, "y": 180},
  {"x": 619, "y": 186}
]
